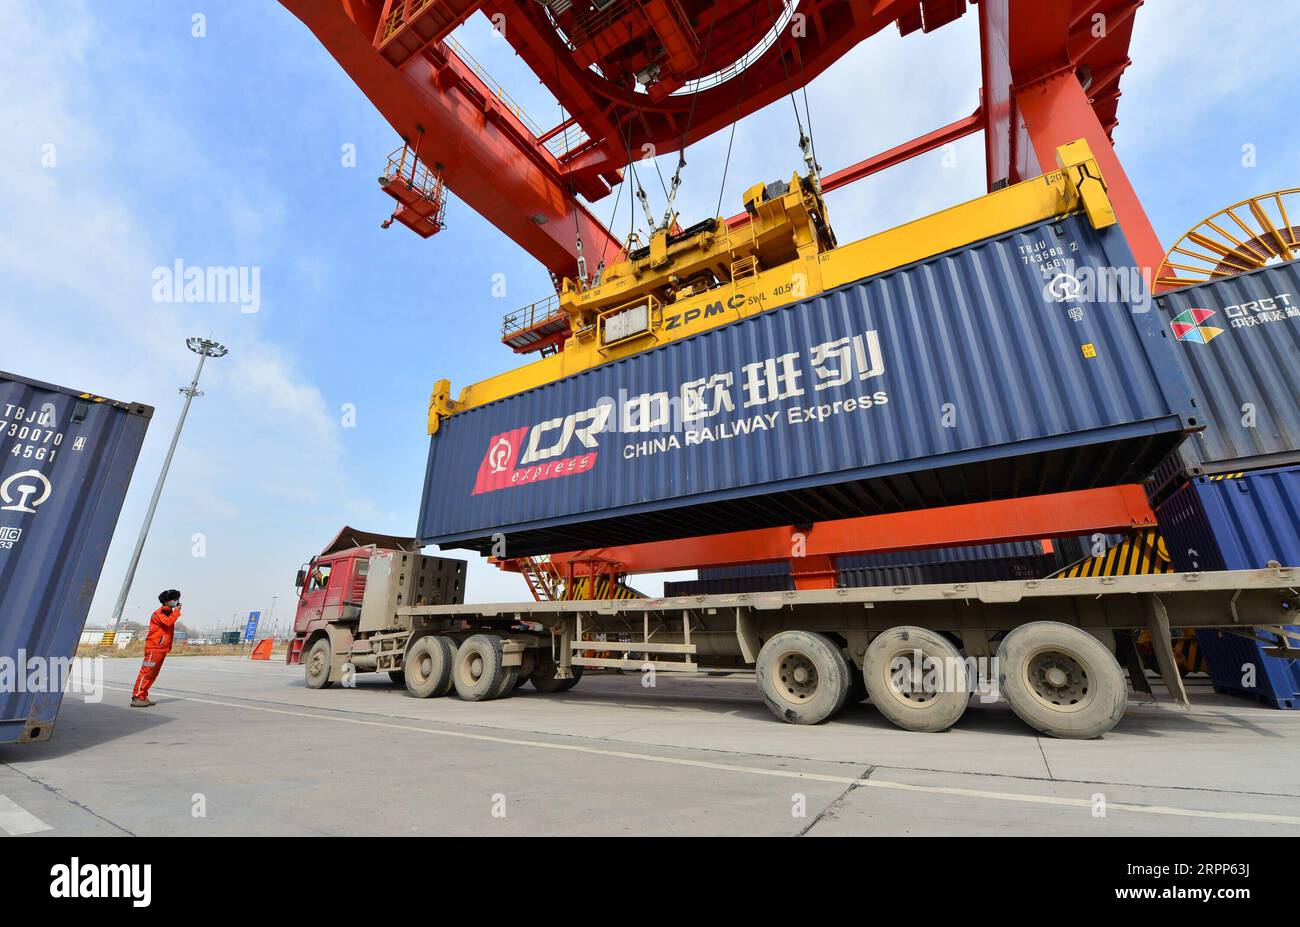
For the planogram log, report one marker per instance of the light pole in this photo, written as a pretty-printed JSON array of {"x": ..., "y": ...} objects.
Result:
[
  {"x": 270, "y": 619},
  {"x": 204, "y": 348}
]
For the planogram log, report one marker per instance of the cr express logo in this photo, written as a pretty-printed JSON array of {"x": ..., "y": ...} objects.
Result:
[{"x": 544, "y": 448}]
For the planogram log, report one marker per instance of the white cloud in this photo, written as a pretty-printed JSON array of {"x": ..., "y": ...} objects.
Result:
[{"x": 77, "y": 309}]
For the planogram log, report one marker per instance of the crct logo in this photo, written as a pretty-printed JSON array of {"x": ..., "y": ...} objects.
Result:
[
  {"x": 76, "y": 879},
  {"x": 1187, "y": 326}
]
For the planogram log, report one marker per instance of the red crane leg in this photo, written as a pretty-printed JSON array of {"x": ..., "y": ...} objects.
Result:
[{"x": 1056, "y": 110}]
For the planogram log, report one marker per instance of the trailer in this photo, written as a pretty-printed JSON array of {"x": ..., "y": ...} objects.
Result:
[{"x": 1051, "y": 648}]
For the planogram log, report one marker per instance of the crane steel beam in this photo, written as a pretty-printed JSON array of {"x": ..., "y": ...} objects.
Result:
[
  {"x": 1108, "y": 509},
  {"x": 485, "y": 154}
]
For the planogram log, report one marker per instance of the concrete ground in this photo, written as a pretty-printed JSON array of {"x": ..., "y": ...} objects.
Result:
[{"x": 238, "y": 747}]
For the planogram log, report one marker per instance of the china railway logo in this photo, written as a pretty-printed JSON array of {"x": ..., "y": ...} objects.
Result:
[
  {"x": 25, "y": 485},
  {"x": 500, "y": 454},
  {"x": 1188, "y": 326},
  {"x": 1065, "y": 288}
]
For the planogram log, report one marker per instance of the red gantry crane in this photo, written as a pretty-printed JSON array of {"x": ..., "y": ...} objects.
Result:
[{"x": 632, "y": 76}]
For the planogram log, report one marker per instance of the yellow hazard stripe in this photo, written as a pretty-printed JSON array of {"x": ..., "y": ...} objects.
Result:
[
  {"x": 1143, "y": 554},
  {"x": 579, "y": 590}
]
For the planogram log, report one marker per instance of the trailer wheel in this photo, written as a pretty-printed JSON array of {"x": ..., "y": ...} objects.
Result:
[
  {"x": 526, "y": 667},
  {"x": 803, "y": 677},
  {"x": 317, "y": 665},
  {"x": 1061, "y": 680},
  {"x": 478, "y": 674},
  {"x": 428, "y": 664},
  {"x": 917, "y": 679},
  {"x": 848, "y": 674},
  {"x": 543, "y": 677},
  {"x": 857, "y": 685}
]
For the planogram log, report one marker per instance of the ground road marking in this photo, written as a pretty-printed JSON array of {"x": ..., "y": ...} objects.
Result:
[
  {"x": 16, "y": 820},
  {"x": 985, "y": 794}
]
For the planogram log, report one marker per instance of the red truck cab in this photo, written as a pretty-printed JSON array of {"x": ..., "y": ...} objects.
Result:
[{"x": 331, "y": 585}]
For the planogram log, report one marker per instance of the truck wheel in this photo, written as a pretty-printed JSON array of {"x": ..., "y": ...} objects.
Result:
[
  {"x": 917, "y": 679},
  {"x": 478, "y": 674},
  {"x": 526, "y": 668},
  {"x": 543, "y": 677},
  {"x": 848, "y": 674},
  {"x": 803, "y": 677},
  {"x": 857, "y": 685},
  {"x": 317, "y": 664},
  {"x": 1061, "y": 680},
  {"x": 428, "y": 667}
]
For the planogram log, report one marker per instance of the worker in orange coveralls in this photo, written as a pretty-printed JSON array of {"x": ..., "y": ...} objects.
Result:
[{"x": 162, "y": 628}]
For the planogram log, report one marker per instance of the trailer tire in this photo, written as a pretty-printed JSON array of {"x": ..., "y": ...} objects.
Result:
[
  {"x": 428, "y": 663},
  {"x": 857, "y": 685},
  {"x": 526, "y": 667},
  {"x": 1061, "y": 680},
  {"x": 543, "y": 677},
  {"x": 316, "y": 665},
  {"x": 803, "y": 677},
  {"x": 932, "y": 708},
  {"x": 848, "y": 674},
  {"x": 478, "y": 674}
]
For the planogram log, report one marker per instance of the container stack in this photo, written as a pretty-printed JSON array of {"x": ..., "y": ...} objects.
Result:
[
  {"x": 973, "y": 563},
  {"x": 1229, "y": 497}
]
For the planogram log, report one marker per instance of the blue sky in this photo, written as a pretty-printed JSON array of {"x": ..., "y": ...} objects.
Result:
[{"x": 228, "y": 149}]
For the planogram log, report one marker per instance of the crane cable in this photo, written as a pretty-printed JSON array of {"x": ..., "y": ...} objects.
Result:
[
  {"x": 568, "y": 170},
  {"x": 805, "y": 139},
  {"x": 740, "y": 98},
  {"x": 671, "y": 195}
]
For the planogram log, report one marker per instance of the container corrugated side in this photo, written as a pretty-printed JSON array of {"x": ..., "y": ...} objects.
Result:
[
  {"x": 1077, "y": 547},
  {"x": 1234, "y": 523},
  {"x": 853, "y": 573},
  {"x": 1239, "y": 523},
  {"x": 1245, "y": 376},
  {"x": 66, "y": 459},
  {"x": 891, "y": 558},
  {"x": 957, "y": 379},
  {"x": 1238, "y": 666}
]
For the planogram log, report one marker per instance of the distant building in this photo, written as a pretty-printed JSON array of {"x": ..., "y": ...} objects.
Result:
[{"x": 98, "y": 637}]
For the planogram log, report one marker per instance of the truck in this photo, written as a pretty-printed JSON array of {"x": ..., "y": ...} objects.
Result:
[
  {"x": 1051, "y": 648},
  {"x": 66, "y": 460},
  {"x": 767, "y": 381}
]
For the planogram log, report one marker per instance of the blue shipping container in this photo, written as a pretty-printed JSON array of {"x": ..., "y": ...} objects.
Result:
[
  {"x": 854, "y": 573},
  {"x": 1238, "y": 343},
  {"x": 957, "y": 379},
  {"x": 1239, "y": 523},
  {"x": 66, "y": 459},
  {"x": 1234, "y": 523}
]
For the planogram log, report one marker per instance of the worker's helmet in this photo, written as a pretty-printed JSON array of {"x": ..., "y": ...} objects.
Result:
[{"x": 169, "y": 595}]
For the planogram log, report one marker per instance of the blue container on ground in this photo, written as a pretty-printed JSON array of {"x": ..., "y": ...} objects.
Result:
[{"x": 1239, "y": 522}]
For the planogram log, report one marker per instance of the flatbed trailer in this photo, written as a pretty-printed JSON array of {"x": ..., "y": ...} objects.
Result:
[{"x": 1051, "y": 647}]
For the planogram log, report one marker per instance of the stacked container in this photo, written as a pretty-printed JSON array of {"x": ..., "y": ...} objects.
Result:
[
  {"x": 972, "y": 563},
  {"x": 1222, "y": 500}
]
